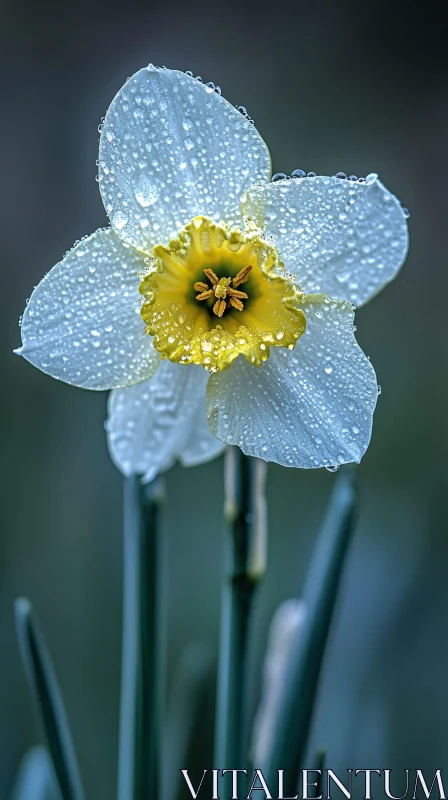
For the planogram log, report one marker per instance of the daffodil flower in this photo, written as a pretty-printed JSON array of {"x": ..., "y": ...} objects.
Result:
[{"x": 219, "y": 305}]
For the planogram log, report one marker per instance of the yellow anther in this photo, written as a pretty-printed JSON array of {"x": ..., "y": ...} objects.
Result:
[
  {"x": 211, "y": 276},
  {"x": 235, "y": 293},
  {"x": 219, "y": 307},
  {"x": 242, "y": 275},
  {"x": 201, "y": 287},
  {"x": 233, "y": 301},
  {"x": 205, "y": 295}
]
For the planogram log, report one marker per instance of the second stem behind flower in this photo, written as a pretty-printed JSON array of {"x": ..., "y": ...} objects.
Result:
[{"x": 246, "y": 558}]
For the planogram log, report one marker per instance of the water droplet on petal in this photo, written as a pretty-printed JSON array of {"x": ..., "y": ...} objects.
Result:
[{"x": 145, "y": 192}]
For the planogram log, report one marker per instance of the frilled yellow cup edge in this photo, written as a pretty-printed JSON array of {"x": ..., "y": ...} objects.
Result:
[{"x": 186, "y": 331}]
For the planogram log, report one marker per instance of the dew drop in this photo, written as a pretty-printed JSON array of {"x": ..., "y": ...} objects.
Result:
[
  {"x": 145, "y": 193},
  {"x": 119, "y": 220}
]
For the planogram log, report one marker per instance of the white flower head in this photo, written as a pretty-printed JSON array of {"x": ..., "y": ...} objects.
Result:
[{"x": 207, "y": 305}]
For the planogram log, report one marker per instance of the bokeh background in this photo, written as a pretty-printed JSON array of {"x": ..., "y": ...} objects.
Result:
[{"x": 349, "y": 86}]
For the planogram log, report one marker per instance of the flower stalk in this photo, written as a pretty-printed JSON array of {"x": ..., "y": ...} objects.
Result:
[
  {"x": 245, "y": 512},
  {"x": 141, "y": 682}
]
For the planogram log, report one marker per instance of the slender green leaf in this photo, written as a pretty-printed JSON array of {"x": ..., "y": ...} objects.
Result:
[
  {"x": 295, "y": 709},
  {"x": 141, "y": 680},
  {"x": 43, "y": 683}
]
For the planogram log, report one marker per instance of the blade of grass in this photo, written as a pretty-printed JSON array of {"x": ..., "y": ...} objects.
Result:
[
  {"x": 295, "y": 709},
  {"x": 141, "y": 680},
  {"x": 44, "y": 686},
  {"x": 246, "y": 546}
]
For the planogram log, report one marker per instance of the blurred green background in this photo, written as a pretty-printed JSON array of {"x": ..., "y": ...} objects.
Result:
[{"x": 357, "y": 87}]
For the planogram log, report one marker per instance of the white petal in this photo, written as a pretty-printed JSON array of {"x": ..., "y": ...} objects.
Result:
[
  {"x": 171, "y": 149},
  {"x": 343, "y": 238},
  {"x": 82, "y": 324},
  {"x": 312, "y": 407},
  {"x": 201, "y": 445},
  {"x": 154, "y": 423}
]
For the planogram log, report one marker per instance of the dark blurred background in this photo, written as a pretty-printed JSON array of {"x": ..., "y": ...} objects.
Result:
[{"x": 349, "y": 86}]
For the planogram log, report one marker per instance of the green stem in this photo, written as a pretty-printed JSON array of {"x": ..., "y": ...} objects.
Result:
[
  {"x": 245, "y": 557},
  {"x": 293, "y": 716},
  {"x": 141, "y": 680},
  {"x": 45, "y": 688}
]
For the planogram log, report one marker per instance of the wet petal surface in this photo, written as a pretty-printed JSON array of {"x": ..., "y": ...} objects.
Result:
[
  {"x": 154, "y": 423},
  {"x": 340, "y": 237},
  {"x": 82, "y": 324},
  {"x": 171, "y": 148},
  {"x": 311, "y": 407}
]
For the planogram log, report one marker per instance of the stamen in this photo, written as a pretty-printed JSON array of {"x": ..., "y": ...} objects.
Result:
[
  {"x": 242, "y": 276},
  {"x": 227, "y": 297},
  {"x": 201, "y": 287},
  {"x": 219, "y": 307},
  {"x": 211, "y": 276},
  {"x": 235, "y": 293},
  {"x": 233, "y": 301},
  {"x": 205, "y": 295}
]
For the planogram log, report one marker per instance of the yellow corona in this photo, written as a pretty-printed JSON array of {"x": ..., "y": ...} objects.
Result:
[{"x": 194, "y": 307}]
